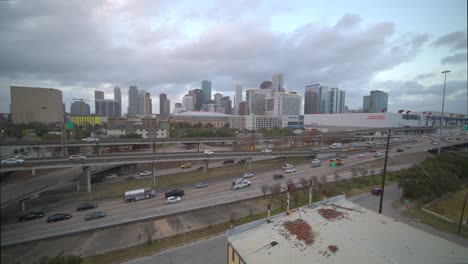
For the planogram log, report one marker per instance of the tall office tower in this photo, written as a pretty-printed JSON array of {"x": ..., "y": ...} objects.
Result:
[
  {"x": 256, "y": 101},
  {"x": 337, "y": 101},
  {"x": 167, "y": 107},
  {"x": 206, "y": 88},
  {"x": 217, "y": 98},
  {"x": 98, "y": 95},
  {"x": 321, "y": 98},
  {"x": 197, "y": 99},
  {"x": 187, "y": 102},
  {"x": 36, "y": 105},
  {"x": 108, "y": 108},
  {"x": 287, "y": 104},
  {"x": 278, "y": 83},
  {"x": 311, "y": 102},
  {"x": 132, "y": 100},
  {"x": 237, "y": 98},
  {"x": 118, "y": 97},
  {"x": 376, "y": 102},
  {"x": 162, "y": 104},
  {"x": 79, "y": 108},
  {"x": 144, "y": 103},
  {"x": 243, "y": 108},
  {"x": 226, "y": 104}
]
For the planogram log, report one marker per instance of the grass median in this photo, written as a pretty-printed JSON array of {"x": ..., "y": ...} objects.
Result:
[{"x": 451, "y": 206}]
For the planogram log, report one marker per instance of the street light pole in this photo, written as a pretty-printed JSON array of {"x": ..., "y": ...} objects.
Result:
[{"x": 443, "y": 103}]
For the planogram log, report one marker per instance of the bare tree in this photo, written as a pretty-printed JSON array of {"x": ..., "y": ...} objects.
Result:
[
  {"x": 372, "y": 171},
  {"x": 275, "y": 189},
  {"x": 363, "y": 172},
  {"x": 354, "y": 173},
  {"x": 304, "y": 183},
  {"x": 150, "y": 231},
  {"x": 336, "y": 175},
  {"x": 291, "y": 185},
  {"x": 265, "y": 188},
  {"x": 323, "y": 179},
  {"x": 295, "y": 198}
]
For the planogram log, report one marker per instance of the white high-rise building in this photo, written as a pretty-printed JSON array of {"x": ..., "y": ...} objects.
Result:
[
  {"x": 237, "y": 98},
  {"x": 323, "y": 100},
  {"x": 187, "y": 102},
  {"x": 144, "y": 103},
  {"x": 337, "y": 101},
  {"x": 287, "y": 104},
  {"x": 132, "y": 100},
  {"x": 118, "y": 97}
]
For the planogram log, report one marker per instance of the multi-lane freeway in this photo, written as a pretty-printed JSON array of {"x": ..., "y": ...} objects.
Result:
[{"x": 216, "y": 193}]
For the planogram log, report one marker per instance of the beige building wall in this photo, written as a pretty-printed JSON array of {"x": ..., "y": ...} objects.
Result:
[{"x": 41, "y": 105}]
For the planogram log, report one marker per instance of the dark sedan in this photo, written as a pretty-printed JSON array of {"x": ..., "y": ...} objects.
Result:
[
  {"x": 175, "y": 193},
  {"x": 86, "y": 206},
  {"x": 30, "y": 216},
  {"x": 376, "y": 191},
  {"x": 58, "y": 217},
  {"x": 278, "y": 176},
  {"x": 95, "y": 215}
]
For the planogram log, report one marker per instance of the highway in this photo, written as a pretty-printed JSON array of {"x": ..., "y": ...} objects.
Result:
[{"x": 216, "y": 193}]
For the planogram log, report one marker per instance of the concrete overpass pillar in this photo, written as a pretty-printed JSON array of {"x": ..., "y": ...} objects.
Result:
[
  {"x": 78, "y": 182},
  {"x": 23, "y": 205},
  {"x": 33, "y": 172},
  {"x": 87, "y": 171},
  {"x": 154, "y": 173},
  {"x": 198, "y": 147},
  {"x": 249, "y": 162},
  {"x": 205, "y": 168},
  {"x": 154, "y": 147}
]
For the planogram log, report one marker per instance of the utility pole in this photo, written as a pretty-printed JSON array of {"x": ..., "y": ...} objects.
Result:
[
  {"x": 310, "y": 192},
  {"x": 461, "y": 217},
  {"x": 443, "y": 103},
  {"x": 384, "y": 171}
]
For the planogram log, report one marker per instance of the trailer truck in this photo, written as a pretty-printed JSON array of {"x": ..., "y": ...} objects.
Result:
[{"x": 139, "y": 194}]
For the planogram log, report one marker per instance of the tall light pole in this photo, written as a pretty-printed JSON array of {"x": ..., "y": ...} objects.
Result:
[{"x": 443, "y": 102}]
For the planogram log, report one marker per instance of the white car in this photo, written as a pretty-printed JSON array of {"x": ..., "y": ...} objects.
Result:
[
  {"x": 316, "y": 161},
  {"x": 12, "y": 161},
  {"x": 77, "y": 157},
  {"x": 362, "y": 156},
  {"x": 267, "y": 150},
  {"x": 145, "y": 173},
  {"x": 288, "y": 166},
  {"x": 173, "y": 199},
  {"x": 290, "y": 170},
  {"x": 110, "y": 176},
  {"x": 241, "y": 185},
  {"x": 209, "y": 152},
  {"x": 377, "y": 154},
  {"x": 248, "y": 175},
  {"x": 90, "y": 139}
]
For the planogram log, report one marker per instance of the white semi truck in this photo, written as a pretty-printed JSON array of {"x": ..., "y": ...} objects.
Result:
[{"x": 139, "y": 194}]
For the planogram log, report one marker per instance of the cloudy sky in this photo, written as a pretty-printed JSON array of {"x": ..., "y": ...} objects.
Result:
[{"x": 397, "y": 46}]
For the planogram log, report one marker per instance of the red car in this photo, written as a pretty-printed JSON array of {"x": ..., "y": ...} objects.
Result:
[{"x": 376, "y": 191}]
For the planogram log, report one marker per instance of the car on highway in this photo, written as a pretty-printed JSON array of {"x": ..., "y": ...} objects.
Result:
[
  {"x": 241, "y": 180},
  {"x": 86, "y": 206},
  {"x": 316, "y": 161},
  {"x": 110, "y": 176},
  {"x": 278, "y": 176},
  {"x": 336, "y": 161},
  {"x": 200, "y": 167},
  {"x": 145, "y": 173},
  {"x": 266, "y": 150},
  {"x": 174, "y": 192},
  {"x": 241, "y": 185},
  {"x": 229, "y": 161},
  {"x": 248, "y": 175},
  {"x": 201, "y": 185},
  {"x": 362, "y": 155},
  {"x": 323, "y": 148},
  {"x": 30, "y": 216},
  {"x": 173, "y": 199},
  {"x": 372, "y": 150},
  {"x": 287, "y": 166},
  {"x": 209, "y": 152},
  {"x": 90, "y": 139},
  {"x": 434, "y": 143},
  {"x": 241, "y": 161},
  {"x": 376, "y": 191},
  {"x": 342, "y": 156},
  {"x": 130, "y": 178},
  {"x": 186, "y": 165},
  {"x": 377, "y": 154},
  {"x": 95, "y": 215},
  {"x": 314, "y": 165},
  {"x": 291, "y": 170},
  {"x": 77, "y": 157},
  {"x": 399, "y": 150},
  {"x": 354, "y": 145},
  {"x": 12, "y": 161},
  {"x": 58, "y": 217}
]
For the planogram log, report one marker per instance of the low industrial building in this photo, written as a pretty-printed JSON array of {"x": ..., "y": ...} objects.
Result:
[
  {"x": 337, "y": 231},
  {"x": 218, "y": 120},
  {"x": 144, "y": 131}
]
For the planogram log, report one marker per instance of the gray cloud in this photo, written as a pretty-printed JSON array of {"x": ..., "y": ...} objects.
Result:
[
  {"x": 456, "y": 40},
  {"x": 88, "y": 44},
  {"x": 458, "y": 58}
]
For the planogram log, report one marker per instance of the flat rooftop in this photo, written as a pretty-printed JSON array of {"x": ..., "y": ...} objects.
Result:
[{"x": 356, "y": 235}]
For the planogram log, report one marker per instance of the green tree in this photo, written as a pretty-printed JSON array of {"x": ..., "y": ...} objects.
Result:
[{"x": 68, "y": 259}]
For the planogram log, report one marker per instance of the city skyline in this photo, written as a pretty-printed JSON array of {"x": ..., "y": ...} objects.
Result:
[{"x": 358, "y": 49}]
